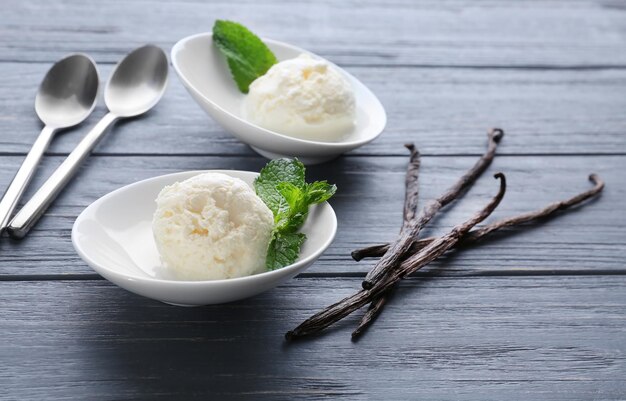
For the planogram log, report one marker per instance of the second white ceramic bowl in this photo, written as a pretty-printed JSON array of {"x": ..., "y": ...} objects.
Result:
[
  {"x": 113, "y": 235},
  {"x": 204, "y": 72}
]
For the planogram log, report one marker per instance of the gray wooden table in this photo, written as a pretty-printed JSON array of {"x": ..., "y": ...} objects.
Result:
[{"x": 538, "y": 313}]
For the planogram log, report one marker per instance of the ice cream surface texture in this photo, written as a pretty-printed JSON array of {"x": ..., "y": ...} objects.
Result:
[
  {"x": 211, "y": 226},
  {"x": 303, "y": 97}
]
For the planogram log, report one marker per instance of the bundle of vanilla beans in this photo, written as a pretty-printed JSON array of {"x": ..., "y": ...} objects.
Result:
[{"x": 409, "y": 253}]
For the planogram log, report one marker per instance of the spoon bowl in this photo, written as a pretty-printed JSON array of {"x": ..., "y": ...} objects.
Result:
[
  {"x": 138, "y": 82},
  {"x": 67, "y": 94}
]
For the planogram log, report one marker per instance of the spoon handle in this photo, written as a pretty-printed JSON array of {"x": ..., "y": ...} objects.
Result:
[
  {"x": 26, "y": 218},
  {"x": 24, "y": 175}
]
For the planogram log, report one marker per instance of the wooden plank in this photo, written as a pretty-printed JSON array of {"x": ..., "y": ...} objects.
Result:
[
  {"x": 369, "y": 204},
  {"x": 445, "y": 111},
  {"x": 561, "y": 33},
  {"x": 550, "y": 338}
]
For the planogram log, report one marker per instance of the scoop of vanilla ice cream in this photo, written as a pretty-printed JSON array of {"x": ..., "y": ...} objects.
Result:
[
  {"x": 302, "y": 97},
  {"x": 212, "y": 226}
]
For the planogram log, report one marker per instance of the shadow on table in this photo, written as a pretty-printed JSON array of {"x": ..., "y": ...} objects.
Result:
[{"x": 138, "y": 348}]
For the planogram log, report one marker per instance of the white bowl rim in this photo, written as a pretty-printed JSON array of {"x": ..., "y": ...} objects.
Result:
[
  {"x": 278, "y": 272},
  {"x": 341, "y": 144}
]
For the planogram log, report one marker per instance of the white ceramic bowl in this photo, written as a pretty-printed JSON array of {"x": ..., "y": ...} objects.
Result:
[
  {"x": 204, "y": 72},
  {"x": 114, "y": 236}
]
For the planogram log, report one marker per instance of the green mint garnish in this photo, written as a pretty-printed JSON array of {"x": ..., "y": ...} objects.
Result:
[
  {"x": 283, "y": 249},
  {"x": 247, "y": 56},
  {"x": 275, "y": 172},
  {"x": 281, "y": 185}
]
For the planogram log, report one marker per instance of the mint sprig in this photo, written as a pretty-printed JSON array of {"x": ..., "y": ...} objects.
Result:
[
  {"x": 247, "y": 56},
  {"x": 281, "y": 185},
  {"x": 283, "y": 250}
]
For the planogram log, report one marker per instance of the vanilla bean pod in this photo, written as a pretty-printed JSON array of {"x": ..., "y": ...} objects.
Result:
[
  {"x": 478, "y": 234},
  {"x": 411, "y": 193},
  {"x": 401, "y": 247},
  {"x": 376, "y": 306},
  {"x": 378, "y": 303},
  {"x": 439, "y": 246},
  {"x": 473, "y": 236},
  {"x": 411, "y": 196}
]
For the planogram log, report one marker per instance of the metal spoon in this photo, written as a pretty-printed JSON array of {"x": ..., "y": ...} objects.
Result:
[
  {"x": 136, "y": 85},
  {"x": 66, "y": 96}
]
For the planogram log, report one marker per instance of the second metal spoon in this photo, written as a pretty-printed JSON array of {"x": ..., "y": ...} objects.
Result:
[
  {"x": 66, "y": 97},
  {"x": 136, "y": 85}
]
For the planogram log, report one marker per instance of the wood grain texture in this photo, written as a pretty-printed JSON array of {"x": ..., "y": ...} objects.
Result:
[
  {"x": 539, "y": 313},
  {"x": 552, "y": 33},
  {"x": 369, "y": 209},
  {"x": 445, "y": 111},
  {"x": 550, "y": 338}
]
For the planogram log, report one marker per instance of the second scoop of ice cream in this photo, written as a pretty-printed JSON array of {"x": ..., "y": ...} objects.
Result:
[
  {"x": 212, "y": 226},
  {"x": 303, "y": 97}
]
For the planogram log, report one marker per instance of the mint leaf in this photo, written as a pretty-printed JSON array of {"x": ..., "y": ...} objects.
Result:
[
  {"x": 281, "y": 185},
  {"x": 319, "y": 191},
  {"x": 275, "y": 172},
  {"x": 290, "y": 218},
  {"x": 284, "y": 249},
  {"x": 247, "y": 56}
]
